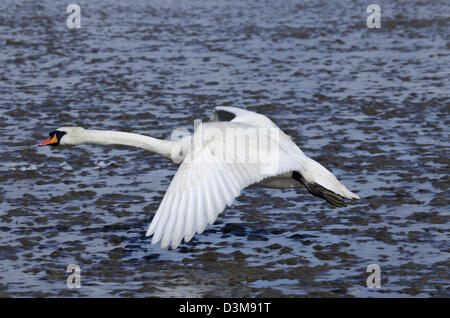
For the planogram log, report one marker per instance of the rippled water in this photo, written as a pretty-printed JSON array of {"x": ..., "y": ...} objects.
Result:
[{"x": 371, "y": 105}]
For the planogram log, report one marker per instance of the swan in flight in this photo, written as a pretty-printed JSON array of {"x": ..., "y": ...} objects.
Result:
[{"x": 235, "y": 149}]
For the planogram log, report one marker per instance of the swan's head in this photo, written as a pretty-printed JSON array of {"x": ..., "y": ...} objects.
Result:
[{"x": 64, "y": 136}]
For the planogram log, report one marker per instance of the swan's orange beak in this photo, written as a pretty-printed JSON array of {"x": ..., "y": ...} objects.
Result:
[{"x": 49, "y": 141}]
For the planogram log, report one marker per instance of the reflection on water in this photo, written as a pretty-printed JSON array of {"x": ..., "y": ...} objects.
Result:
[{"x": 371, "y": 105}]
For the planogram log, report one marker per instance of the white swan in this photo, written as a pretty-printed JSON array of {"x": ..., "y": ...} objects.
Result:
[{"x": 216, "y": 164}]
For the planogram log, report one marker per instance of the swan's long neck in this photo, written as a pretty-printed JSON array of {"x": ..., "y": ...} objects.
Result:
[{"x": 108, "y": 137}]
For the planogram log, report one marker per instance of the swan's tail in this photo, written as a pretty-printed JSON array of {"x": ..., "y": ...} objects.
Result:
[{"x": 319, "y": 181}]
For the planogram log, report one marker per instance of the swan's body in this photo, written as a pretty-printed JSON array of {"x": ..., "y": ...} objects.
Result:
[{"x": 213, "y": 173}]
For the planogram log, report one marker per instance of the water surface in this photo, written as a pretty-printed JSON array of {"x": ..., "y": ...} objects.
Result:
[{"x": 371, "y": 105}]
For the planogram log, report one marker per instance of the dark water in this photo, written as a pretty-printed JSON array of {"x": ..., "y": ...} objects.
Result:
[{"x": 371, "y": 105}]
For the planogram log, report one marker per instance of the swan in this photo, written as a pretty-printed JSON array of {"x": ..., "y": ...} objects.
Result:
[{"x": 237, "y": 148}]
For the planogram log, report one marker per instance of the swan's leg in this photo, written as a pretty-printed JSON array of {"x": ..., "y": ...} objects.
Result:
[{"x": 320, "y": 191}]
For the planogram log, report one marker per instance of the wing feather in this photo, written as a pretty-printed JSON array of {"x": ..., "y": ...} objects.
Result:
[
  {"x": 190, "y": 217},
  {"x": 205, "y": 183},
  {"x": 208, "y": 180}
]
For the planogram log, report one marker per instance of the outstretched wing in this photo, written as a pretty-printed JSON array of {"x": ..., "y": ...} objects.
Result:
[
  {"x": 316, "y": 178},
  {"x": 209, "y": 179}
]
